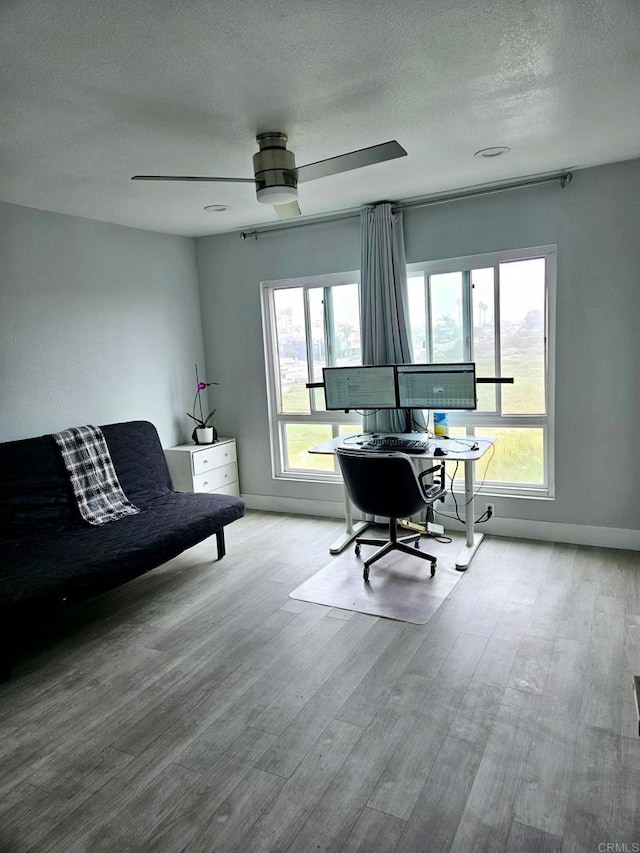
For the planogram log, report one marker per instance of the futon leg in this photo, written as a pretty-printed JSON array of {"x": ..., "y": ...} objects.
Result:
[
  {"x": 5, "y": 665},
  {"x": 220, "y": 543},
  {"x": 6, "y": 655}
]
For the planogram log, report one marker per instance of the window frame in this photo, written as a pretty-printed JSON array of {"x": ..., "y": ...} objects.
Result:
[
  {"x": 469, "y": 421},
  {"x": 486, "y": 420},
  {"x": 278, "y": 420}
]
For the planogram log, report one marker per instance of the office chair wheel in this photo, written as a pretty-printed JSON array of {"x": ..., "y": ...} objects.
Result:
[
  {"x": 365, "y": 575},
  {"x": 357, "y": 550},
  {"x": 433, "y": 569}
]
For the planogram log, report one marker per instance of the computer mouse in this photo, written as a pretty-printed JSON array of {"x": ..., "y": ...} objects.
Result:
[{"x": 439, "y": 452}]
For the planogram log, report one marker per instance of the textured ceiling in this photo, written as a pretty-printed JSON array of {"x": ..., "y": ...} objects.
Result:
[{"x": 94, "y": 91}]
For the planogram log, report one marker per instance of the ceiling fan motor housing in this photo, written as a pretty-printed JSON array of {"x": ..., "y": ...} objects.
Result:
[{"x": 275, "y": 170}]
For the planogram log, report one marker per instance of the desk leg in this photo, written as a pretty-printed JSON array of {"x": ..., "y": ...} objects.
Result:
[
  {"x": 351, "y": 530},
  {"x": 473, "y": 539}
]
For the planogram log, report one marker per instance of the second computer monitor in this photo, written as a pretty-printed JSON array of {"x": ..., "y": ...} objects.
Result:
[{"x": 437, "y": 386}]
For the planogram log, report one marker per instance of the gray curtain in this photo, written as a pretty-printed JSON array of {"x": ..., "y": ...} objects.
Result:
[{"x": 384, "y": 310}]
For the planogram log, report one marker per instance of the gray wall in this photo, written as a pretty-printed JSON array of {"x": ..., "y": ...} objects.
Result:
[
  {"x": 229, "y": 272},
  {"x": 596, "y": 224},
  {"x": 98, "y": 324}
]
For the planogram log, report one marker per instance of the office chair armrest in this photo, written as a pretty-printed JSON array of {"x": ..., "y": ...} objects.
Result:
[
  {"x": 440, "y": 481},
  {"x": 438, "y": 467}
]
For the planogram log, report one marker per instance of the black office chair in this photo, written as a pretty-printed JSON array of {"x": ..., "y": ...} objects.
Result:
[{"x": 387, "y": 484}]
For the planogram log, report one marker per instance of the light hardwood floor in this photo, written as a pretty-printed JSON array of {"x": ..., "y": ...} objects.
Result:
[{"x": 198, "y": 708}]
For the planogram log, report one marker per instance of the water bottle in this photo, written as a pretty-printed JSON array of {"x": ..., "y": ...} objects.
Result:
[{"x": 440, "y": 423}]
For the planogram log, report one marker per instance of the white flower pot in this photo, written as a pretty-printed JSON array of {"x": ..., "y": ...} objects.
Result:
[{"x": 204, "y": 435}]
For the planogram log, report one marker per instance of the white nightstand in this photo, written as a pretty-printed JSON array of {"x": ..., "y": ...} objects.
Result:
[{"x": 204, "y": 467}]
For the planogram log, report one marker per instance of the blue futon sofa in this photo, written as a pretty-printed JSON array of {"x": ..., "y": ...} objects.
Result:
[{"x": 50, "y": 557}]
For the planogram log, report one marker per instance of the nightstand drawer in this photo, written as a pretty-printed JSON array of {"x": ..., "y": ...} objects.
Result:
[
  {"x": 231, "y": 489},
  {"x": 212, "y": 457},
  {"x": 213, "y": 480}
]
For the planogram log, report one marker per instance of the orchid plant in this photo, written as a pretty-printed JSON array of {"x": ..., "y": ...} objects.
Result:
[{"x": 201, "y": 421}]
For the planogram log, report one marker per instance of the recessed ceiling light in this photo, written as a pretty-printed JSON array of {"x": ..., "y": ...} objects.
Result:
[
  {"x": 217, "y": 208},
  {"x": 498, "y": 151}
]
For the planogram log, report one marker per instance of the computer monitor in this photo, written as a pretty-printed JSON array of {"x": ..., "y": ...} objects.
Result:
[
  {"x": 437, "y": 386},
  {"x": 371, "y": 387}
]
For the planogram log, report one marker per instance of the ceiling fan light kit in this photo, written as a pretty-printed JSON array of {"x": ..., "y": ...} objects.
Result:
[
  {"x": 276, "y": 175},
  {"x": 275, "y": 170},
  {"x": 278, "y": 194}
]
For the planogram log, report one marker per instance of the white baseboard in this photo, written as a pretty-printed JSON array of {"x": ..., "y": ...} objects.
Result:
[
  {"x": 547, "y": 531},
  {"x": 550, "y": 531},
  {"x": 295, "y": 506}
]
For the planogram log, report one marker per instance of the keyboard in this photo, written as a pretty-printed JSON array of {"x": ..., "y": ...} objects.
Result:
[{"x": 393, "y": 442}]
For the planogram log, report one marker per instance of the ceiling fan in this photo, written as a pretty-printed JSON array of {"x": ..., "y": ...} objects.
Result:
[{"x": 276, "y": 176}]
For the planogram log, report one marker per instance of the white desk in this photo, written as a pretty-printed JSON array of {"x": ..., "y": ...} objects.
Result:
[{"x": 455, "y": 452}]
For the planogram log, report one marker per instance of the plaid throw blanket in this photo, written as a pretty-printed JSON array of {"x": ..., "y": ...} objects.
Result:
[{"x": 93, "y": 478}]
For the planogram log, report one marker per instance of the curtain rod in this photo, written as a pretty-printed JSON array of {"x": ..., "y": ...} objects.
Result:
[{"x": 563, "y": 178}]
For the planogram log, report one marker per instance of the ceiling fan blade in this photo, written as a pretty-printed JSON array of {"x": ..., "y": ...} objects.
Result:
[
  {"x": 192, "y": 178},
  {"x": 352, "y": 160},
  {"x": 288, "y": 210}
]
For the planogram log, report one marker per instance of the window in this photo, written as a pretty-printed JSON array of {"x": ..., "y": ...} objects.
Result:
[
  {"x": 309, "y": 324},
  {"x": 496, "y": 310}
]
